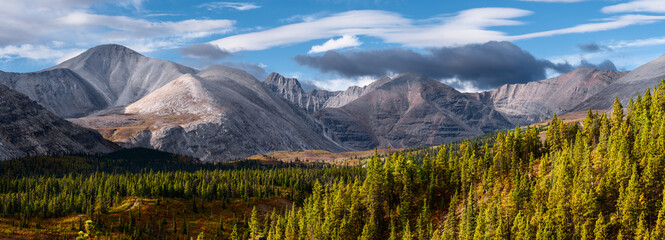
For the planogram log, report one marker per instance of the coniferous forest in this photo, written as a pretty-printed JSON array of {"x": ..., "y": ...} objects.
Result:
[{"x": 601, "y": 178}]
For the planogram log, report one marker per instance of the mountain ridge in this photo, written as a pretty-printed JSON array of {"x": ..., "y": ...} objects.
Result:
[
  {"x": 409, "y": 110},
  {"x": 218, "y": 114},
  {"x": 629, "y": 85},
  {"x": 28, "y": 129},
  {"x": 536, "y": 101}
]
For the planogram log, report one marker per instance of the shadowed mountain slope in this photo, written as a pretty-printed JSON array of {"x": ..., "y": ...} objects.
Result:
[
  {"x": 532, "y": 102},
  {"x": 27, "y": 129},
  {"x": 643, "y": 77},
  {"x": 410, "y": 110}
]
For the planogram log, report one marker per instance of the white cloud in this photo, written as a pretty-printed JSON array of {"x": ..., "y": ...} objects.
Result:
[
  {"x": 240, "y": 6},
  {"x": 66, "y": 26},
  {"x": 655, "y": 6},
  {"x": 462, "y": 86},
  {"x": 638, "y": 43},
  {"x": 341, "y": 84},
  {"x": 126, "y": 26},
  {"x": 302, "y": 17},
  {"x": 332, "y": 44},
  {"x": 608, "y": 24},
  {"x": 467, "y": 27},
  {"x": 352, "y": 22},
  {"x": 136, "y": 4},
  {"x": 37, "y": 52}
]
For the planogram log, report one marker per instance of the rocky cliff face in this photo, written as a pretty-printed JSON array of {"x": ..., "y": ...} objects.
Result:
[
  {"x": 315, "y": 100},
  {"x": 27, "y": 129},
  {"x": 353, "y": 93},
  {"x": 102, "y": 77},
  {"x": 220, "y": 113},
  {"x": 524, "y": 104},
  {"x": 629, "y": 85},
  {"x": 291, "y": 90},
  {"x": 410, "y": 110}
]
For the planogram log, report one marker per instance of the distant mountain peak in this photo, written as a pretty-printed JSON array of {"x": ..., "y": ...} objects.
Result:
[
  {"x": 291, "y": 90},
  {"x": 112, "y": 49},
  {"x": 216, "y": 72},
  {"x": 278, "y": 79},
  {"x": 408, "y": 79},
  {"x": 101, "y": 53},
  {"x": 412, "y": 75},
  {"x": 279, "y": 83}
]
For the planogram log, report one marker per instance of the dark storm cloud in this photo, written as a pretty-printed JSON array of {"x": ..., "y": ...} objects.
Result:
[
  {"x": 204, "y": 50},
  {"x": 605, "y": 65},
  {"x": 592, "y": 47},
  {"x": 486, "y": 66}
]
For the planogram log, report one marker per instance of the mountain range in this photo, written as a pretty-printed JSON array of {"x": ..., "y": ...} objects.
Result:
[{"x": 222, "y": 113}]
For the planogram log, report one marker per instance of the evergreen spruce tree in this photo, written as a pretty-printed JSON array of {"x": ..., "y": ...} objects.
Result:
[
  {"x": 254, "y": 225},
  {"x": 406, "y": 234},
  {"x": 234, "y": 233},
  {"x": 600, "y": 230}
]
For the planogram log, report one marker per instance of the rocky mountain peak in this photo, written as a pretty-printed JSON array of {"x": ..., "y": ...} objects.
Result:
[
  {"x": 101, "y": 56},
  {"x": 113, "y": 74},
  {"x": 409, "y": 78},
  {"x": 220, "y": 113},
  {"x": 408, "y": 110},
  {"x": 111, "y": 50},
  {"x": 278, "y": 81},
  {"x": 291, "y": 90}
]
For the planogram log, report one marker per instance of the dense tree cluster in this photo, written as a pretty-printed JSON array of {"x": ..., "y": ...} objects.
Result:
[
  {"x": 53, "y": 197},
  {"x": 600, "y": 179}
]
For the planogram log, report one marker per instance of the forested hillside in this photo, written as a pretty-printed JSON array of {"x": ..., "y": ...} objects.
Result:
[
  {"x": 597, "y": 179},
  {"x": 601, "y": 179}
]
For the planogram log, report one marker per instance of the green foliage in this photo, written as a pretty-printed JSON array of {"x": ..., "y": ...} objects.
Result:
[
  {"x": 254, "y": 225},
  {"x": 234, "y": 233},
  {"x": 89, "y": 231}
]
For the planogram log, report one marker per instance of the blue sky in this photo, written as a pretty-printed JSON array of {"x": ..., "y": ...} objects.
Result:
[{"x": 293, "y": 37}]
